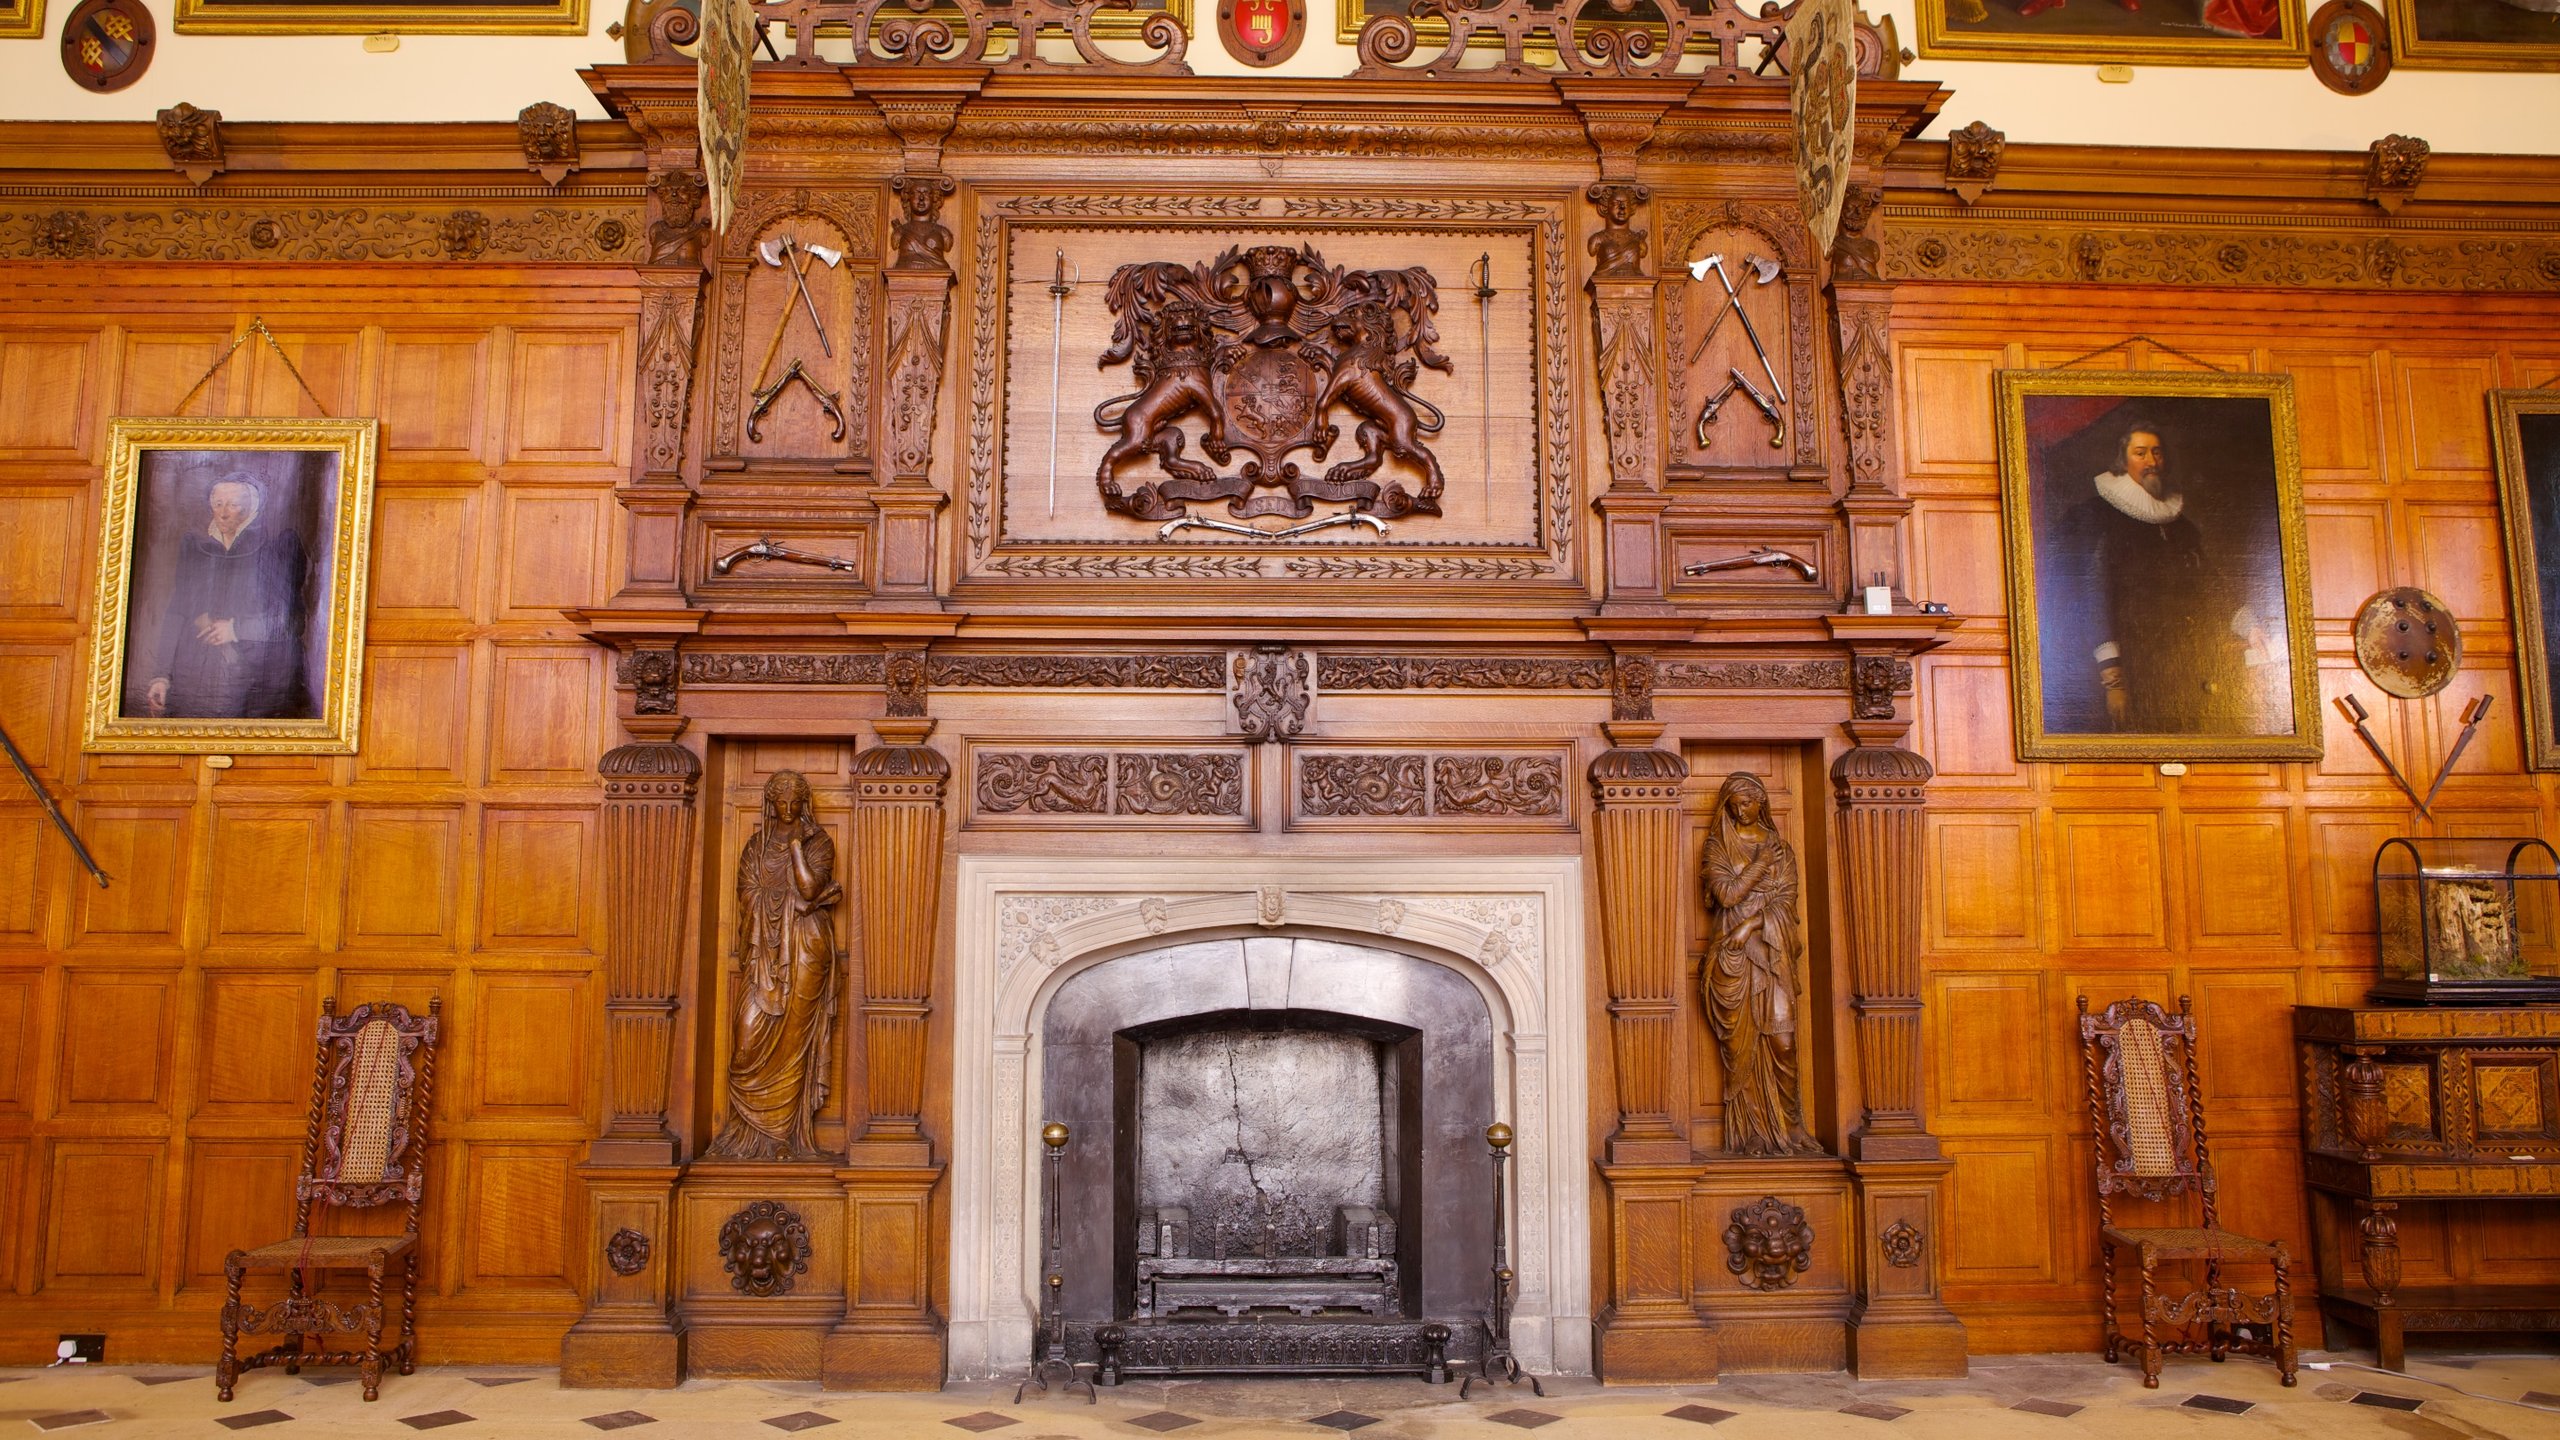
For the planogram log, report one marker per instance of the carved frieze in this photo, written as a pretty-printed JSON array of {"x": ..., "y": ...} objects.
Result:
[
  {"x": 714, "y": 667},
  {"x": 764, "y": 1246},
  {"x": 1458, "y": 672},
  {"x": 2264, "y": 251},
  {"x": 1157, "y": 784},
  {"x": 1366, "y": 785},
  {"x": 1410, "y": 785},
  {"x": 1755, "y": 675},
  {"x": 1172, "y": 671},
  {"x": 1768, "y": 1243},
  {"x": 246, "y": 230}
]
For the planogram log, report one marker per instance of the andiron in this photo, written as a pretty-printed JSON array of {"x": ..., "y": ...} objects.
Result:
[
  {"x": 1052, "y": 1359},
  {"x": 1497, "y": 1362}
]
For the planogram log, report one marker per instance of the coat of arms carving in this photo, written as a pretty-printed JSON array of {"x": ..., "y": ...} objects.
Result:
[{"x": 1270, "y": 349}]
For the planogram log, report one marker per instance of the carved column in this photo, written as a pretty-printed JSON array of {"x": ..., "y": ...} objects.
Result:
[
  {"x": 627, "y": 1337},
  {"x": 1650, "y": 1331},
  {"x": 919, "y": 308},
  {"x": 670, "y": 315},
  {"x": 890, "y": 1337},
  {"x": 1862, "y": 318},
  {"x": 1902, "y": 1326}
]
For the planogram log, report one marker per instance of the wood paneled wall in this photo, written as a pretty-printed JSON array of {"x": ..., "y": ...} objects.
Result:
[
  {"x": 2246, "y": 886},
  {"x": 155, "y": 1046}
]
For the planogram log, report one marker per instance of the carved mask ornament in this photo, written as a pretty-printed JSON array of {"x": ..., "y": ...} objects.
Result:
[
  {"x": 763, "y": 1247},
  {"x": 1768, "y": 1243},
  {"x": 1268, "y": 350}
]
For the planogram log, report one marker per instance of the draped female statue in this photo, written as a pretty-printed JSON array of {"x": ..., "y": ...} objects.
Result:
[
  {"x": 787, "y": 980},
  {"x": 1754, "y": 973}
]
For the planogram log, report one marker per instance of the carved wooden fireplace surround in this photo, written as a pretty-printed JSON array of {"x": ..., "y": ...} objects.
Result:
[{"x": 1043, "y": 673}]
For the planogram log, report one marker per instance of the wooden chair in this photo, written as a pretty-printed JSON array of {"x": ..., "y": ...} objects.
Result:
[
  {"x": 2147, "y": 1111},
  {"x": 366, "y": 1147}
]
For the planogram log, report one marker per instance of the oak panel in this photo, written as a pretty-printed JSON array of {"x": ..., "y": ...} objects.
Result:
[
  {"x": 426, "y": 547},
  {"x": 529, "y": 1045},
  {"x": 555, "y": 547},
  {"x": 1959, "y": 548},
  {"x": 270, "y": 868},
  {"x": 2444, "y": 427},
  {"x": 567, "y": 397},
  {"x": 2111, "y": 879},
  {"x": 2350, "y": 555},
  {"x": 1947, "y": 423},
  {"x": 144, "y": 851},
  {"x": 105, "y": 1231},
  {"x": 403, "y": 876},
  {"x": 117, "y": 1030},
  {"x": 416, "y": 720},
  {"x": 24, "y": 833},
  {"x": 547, "y": 704},
  {"x": 433, "y": 387},
  {"x": 1983, "y": 890},
  {"x": 161, "y": 367},
  {"x": 2241, "y": 875},
  {"x": 2459, "y": 553},
  {"x": 1991, "y": 1073},
  {"x": 2337, "y": 401},
  {"x": 520, "y": 1199},
  {"x": 239, "y": 1197},
  {"x": 2244, "y": 1037},
  {"x": 538, "y": 863},
  {"x": 45, "y": 406},
  {"x": 2343, "y": 845},
  {"x": 2008, "y": 1184},
  {"x": 325, "y": 364},
  {"x": 257, "y": 1044},
  {"x": 39, "y": 531},
  {"x": 1964, "y": 717},
  {"x": 17, "y": 1035},
  {"x": 35, "y": 704}
]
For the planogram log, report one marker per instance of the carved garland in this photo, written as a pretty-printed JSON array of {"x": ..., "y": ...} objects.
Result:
[
  {"x": 1985, "y": 250},
  {"x": 549, "y": 233}
]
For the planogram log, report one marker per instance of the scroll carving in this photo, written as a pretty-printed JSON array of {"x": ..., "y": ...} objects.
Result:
[
  {"x": 1628, "y": 381},
  {"x": 1079, "y": 672},
  {"x": 1866, "y": 387},
  {"x": 1768, "y": 1243},
  {"x": 787, "y": 983},
  {"x": 1030, "y": 36},
  {"x": 666, "y": 375},
  {"x": 1043, "y": 784},
  {"x": 2266, "y": 253},
  {"x": 711, "y": 667},
  {"x": 1539, "y": 40},
  {"x": 1270, "y": 692},
  {"x": 1497, "y": 785},
  {"x": 1470, "y": 672},
  {"x": 1368, "y": 785},
  {"x": 564, "y": 233},
  {"x": 1179, "y": 784}
]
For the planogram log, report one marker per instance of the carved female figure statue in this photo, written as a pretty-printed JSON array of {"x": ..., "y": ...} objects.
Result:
[
  {"x": 787, "y": 980},
  {"x": 1754, "y": 973}
]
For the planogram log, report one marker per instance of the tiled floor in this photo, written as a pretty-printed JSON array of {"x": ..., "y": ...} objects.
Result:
[{"x": 2053, "y": 1397}]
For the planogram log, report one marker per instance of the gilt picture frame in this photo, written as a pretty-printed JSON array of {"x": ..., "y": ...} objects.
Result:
[
  {"x": 2102, "y": 32},
  {"x": 374, "y": 17},
  {"x": 2474, "y": 35},
  {"x": 21, "y": 19},
  {"x": 231, "y": 586},
  {"x": 2526, "y": 426},
  {"x": 2158, "y": 580}
]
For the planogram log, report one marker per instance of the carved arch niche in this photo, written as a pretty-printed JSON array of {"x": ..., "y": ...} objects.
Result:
[
  {"x": 819, "y": 418},
  {"x": 1702, "y": 356}
]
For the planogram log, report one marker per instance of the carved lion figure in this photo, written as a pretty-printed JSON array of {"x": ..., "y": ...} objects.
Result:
[
  {"x": 1367, "y": 377},
  {"x": 1173, "y": 369},
  {"x": 762, "y": 1247}
]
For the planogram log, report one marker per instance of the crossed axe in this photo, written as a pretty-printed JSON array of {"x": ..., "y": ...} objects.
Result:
[{"x": 777, "y": 253}]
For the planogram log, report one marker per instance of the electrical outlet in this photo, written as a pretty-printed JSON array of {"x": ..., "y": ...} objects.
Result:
[{"x": 83, "y": 1349}]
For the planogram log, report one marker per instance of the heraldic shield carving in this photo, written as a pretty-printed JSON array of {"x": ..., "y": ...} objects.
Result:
[{"x": 1268, "y": 347}]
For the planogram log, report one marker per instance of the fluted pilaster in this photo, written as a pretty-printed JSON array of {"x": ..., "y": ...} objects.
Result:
[
  {"x": 898, "y": 790},
  {"x": 648, "y": 850},
  {"x": 1883, "y": 792},
  {"x": 1637, "y": 839}
]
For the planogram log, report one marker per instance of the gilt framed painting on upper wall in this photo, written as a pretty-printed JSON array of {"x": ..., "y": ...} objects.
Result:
[
  {"x": 2100, "y": 32},
  {"x": 2476, "y": 34},
  {"x": 21, "y": 19},
  {"x": 231, "y": 585},
  {"x": 369, "y": 17},
  {"x": 2159, "y": 590},
  {"x": 2527, "y": 425}
]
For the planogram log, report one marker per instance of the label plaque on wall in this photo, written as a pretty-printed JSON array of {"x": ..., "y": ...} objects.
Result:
[{"x": 365, "y": 17}]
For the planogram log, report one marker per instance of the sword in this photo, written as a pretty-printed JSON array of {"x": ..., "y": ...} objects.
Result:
[
  {"x": 1484, "y": 366},
  {"x": 2356, "y": 715},
  {"x": 1060, "y": 287},
  {"x": 55, "y": 811},
  {"x": 2472, "y": 715}
]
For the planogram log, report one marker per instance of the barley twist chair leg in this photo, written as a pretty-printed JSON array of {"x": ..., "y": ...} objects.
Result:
[
  {"x": 409, "y": 1315},
  {"x": 2286, "y": 1364},
  {"x": 2217, "y": 1327},
  {"x": 294, "y": 1281},
  {"x": 2107, "y": 1273},
  {"x": 2150, "y": 1343},
  {"x": 226, "y": 1372},
  {"x": 371, "y": 1369}
]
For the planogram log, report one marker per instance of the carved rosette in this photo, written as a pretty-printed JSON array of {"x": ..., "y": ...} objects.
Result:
[
  {"x": 898, "y": 789},
  {"x": 648, "y": 837},
  {"x": 765, "y": 1247},
  {"x": 1768, "y": 1243},
  {"x": 627, "y": 1252},
  {"x": 1902, "y": 1245},
  {"x": 1883, "y": 795},
  {"x": 1642, "y": 888}
]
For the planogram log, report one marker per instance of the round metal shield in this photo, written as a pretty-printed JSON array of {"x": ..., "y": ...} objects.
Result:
[{"x": 2407, "y": 642}]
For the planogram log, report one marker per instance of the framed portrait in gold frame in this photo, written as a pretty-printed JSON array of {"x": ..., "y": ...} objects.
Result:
[
  {"x": 231, "y": 586},
  {"x": 372, "y": 17},
  {"x": 2527, "y": 427},
  {"x": 2159, "y": 590},
  {"x": 2475, "y": 34},
  {"x": 21, "y": 19},
  {"x": 2104, "y": 32}
]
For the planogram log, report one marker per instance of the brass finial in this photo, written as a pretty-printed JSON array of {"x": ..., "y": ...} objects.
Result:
[
  {"x": 1054, "y": 1135},
  {"x": 1498, "y": 1135}
]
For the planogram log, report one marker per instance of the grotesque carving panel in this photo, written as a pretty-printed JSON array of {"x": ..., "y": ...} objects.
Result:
[
  {"x": 1768, "y": 1243},
  {"x": 1044, "y": 784},
  {"x": 764, "y": 1247},
  {"x": 1333, "y": 785},
  {"x": 1270, "y": 692}
]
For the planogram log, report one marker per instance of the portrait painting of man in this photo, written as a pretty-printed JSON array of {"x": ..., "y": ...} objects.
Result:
[
  {"x": 2527, "y": 425},
  {"x": 2168, "y": 32},
  {"x": 2156, "y": 575},
  {"x": 227, "y": 576}
]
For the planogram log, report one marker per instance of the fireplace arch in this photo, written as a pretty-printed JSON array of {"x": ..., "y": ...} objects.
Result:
[{"x": 1510, "y": 931}]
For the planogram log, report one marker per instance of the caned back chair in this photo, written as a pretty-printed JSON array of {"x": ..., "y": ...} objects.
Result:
[
  {"x": 366, "y": 1147},
  {"x": 2146, "y": 1112}
]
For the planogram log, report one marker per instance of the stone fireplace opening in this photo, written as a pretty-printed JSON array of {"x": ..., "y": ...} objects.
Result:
[
  {"x": 1428, "y": 1007},
  {"x": 1278, "y": 1161}
]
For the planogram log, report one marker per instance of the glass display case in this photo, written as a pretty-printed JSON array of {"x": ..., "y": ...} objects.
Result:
[{"x": 2467, "y": 921}]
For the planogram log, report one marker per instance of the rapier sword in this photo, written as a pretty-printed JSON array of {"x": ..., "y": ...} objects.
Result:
[
  {"x": 1484, "y": 368},
  {"x": 45, "y": 799},
  {"x": 2472, "y": 715},
  {"x": 1060, "y": 287},
  {"x": 2356, "y": 714}
]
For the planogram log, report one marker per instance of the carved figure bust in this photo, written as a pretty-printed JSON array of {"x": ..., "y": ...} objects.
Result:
[
  {"x": 1618, "y": 249},
  {"x": 787, "y": 980},
  {"x": 922, "y": 239},
  {"x": 763, "y": 1246},
  {"x": 1754, "y": 973}
]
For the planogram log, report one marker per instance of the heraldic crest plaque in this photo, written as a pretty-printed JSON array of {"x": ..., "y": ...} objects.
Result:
[{"x": 1272, "y": 352}]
